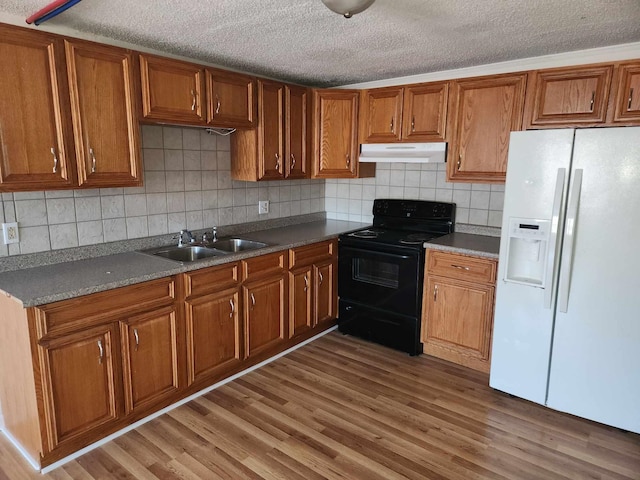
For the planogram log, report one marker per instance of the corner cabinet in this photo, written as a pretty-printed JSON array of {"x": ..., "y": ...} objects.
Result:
[
  {"x": 457, "y": 310},
  {"x": 482, "y": 113},
  {"x": 335, "y": 135},
  {"x": 231, "y": 99}
]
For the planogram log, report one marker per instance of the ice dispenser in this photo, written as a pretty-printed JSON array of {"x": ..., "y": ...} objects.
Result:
[{"x": 527, "y": 251}]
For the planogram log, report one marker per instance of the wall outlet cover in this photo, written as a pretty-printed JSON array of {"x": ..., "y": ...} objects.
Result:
[
  {"x": 10, "y": 233},
  {"x": 263, "y": 207}
]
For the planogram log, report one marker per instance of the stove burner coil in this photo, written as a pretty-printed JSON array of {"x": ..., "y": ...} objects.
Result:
[{"x": 364, "y": 234}]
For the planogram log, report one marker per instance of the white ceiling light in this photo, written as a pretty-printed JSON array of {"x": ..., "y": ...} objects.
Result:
[{"x": 348, "y": 8}]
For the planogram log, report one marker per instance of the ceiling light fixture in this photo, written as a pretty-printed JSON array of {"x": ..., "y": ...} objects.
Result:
[{"x": 348, "y": 8}]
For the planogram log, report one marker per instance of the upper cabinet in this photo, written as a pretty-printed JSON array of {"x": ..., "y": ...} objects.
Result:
[
  {"x": 103, "y": 110},
  {"x": 483, "y": 111},
  {"x": 172, "y": 91},
  {"x": 335, "y": 138},
  {"x": 414, "y": 113},
  {"x": 625, "y": 108},
  {"x": 36, "y": 151},
  {"x": 277, "y": 148},
  {"x": 231, "y": 99},
  {"x": 575, "y": 96}
]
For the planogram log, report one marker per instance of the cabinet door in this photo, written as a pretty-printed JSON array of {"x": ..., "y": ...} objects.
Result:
[
  {"x": 105, "y": 124},
  {"x": 335, "y": 150},
  {"x": 568, "y": 97},
  {"x": 172, "y": 91},
  {"x": 297, "y": 127},
  {"x": 300, "y": 301},
  {"x": 326, "y": 293},
  {"x": 150, "y": 358},
  {"x": 381, "y": 112},
  {"x": 425, "y": 112},
  {"x": 264, "y": 314},
  {"x": 457, "y": 321},
  {"x": 270, "y": 130},
  {"x": 232, "y": 101},
  {"x": 627, "y": 99},
  {"x": 213, "y": 335},
  {"x": 35, "y": 117},
  {"x": 79, "y": 377},
  {"x": 483, "y": 112}
]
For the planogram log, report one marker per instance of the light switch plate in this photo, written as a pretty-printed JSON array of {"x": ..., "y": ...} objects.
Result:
[{"x": 10, "y": 233}]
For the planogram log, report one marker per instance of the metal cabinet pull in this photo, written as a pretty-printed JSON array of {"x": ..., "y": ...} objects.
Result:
[
  {"x": 413, "y": 123},
  {"x": 348, "y": 161},
  {"x": 253, "y": 301},
  {"x": 217, "y": 104},
  {"x": 630, "y": 99},
  {"x": 461, "y": 267},
  {"x": 55, "y": 158},
  {"x": 593, "y": 99},
  {"x": 93, "y": 160},
  {"x": 101, "y": 349},
  {"x": 459, "y": 161},
  {"x": 193, "y": 101},
  {"x": 137, "y": 338},
  {"x": 321, "y": 277},
  {"x": 293, "y": 161},
  {"x": 278, "y": 162},
  {"x": 391, "y": 125},
  {"x": 435, "y": 293},
  {"x": 306, "y": 283},
  {"x": 233, "y": 308}
]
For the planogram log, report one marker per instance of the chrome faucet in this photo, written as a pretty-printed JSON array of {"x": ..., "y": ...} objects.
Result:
[
  {"x": 181, "y": 236},
  {"x": 214, "y": 236}
]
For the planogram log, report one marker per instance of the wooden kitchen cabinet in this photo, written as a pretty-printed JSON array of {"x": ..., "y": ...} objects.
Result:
[
  {"x": 103, "y": 109},
  {"x": 277, "y": 148},
  {"x": 335, "y": 136},
  {"x": 458, "y": 303},
  {"x": 231, "y": 100},
  {"x": 568, "y": 97},
  {"x": 413, "y": 113},
  {"x": 172, "y": 91},
  {"x": 625, "y": 106},
  {"x": 213, "y": 323},
  {"x": 482, "y": 113},
  {"x": 36, "y": 146},
  {"x": 325, "y": 278},
  {"x": 300, "y": 300}
]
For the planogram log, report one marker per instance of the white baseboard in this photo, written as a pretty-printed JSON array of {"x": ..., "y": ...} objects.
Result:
[{"x": 34, "y": 463}]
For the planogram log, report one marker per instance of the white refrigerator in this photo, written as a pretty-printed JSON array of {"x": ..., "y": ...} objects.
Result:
[{"x": 567, "y": 318}]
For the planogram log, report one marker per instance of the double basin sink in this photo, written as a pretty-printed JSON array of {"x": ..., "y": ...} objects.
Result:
[{"x": 191, "y": 253}]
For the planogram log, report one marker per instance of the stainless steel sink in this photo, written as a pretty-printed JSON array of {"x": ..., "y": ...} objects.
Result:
[
  {"x": 187, "y": 253},
  {"x": 236, "y": 245}
]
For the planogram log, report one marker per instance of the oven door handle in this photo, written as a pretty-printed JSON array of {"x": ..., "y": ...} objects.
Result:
[{"x": 373, "y": 252}]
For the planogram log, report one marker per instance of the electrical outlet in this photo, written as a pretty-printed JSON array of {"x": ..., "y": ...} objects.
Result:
[
  {"x": 10, "y": 233},
  {"x": 263, "y": 207}
]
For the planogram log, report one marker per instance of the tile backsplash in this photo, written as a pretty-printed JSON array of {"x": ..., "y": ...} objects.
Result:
[
  {"x": 187, "y": 183},
  {"x": 478, "y": 204}
]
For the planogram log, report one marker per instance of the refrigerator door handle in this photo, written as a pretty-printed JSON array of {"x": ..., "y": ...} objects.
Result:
[
  {"x": 570, "y": 239},
  {"x": 550, "y": 275}
]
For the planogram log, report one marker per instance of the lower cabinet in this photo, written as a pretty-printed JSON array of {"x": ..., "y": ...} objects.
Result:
[{"x": 458, "y": 302}]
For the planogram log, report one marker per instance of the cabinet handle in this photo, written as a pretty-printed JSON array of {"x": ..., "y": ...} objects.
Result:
[
  {"x": 233, "y": 308},
  {"x": 55, "y": 157},
  {"x": 137, "y": 338},
  {"x": 321, "y": 278},
  {"x": 306, "y": 283},
  {"x": 593, "y": 99},
  {"x": 193, "y": 101},
  {"x": 413, "y": 124},
  {"x": 460, "y": 267},
  {"x": 459, "y": 161},
  {"x": 101, "y": 349},
  {"x": 293, "y": 161},
  {"x": 278, "y": 162},
  {"x": 217, "y": 104},
  {"x": 391, "y": 125},
  {"x": 435, "y": 293},
  {"x": 630, "y": 99},
  {"x": 93, "y": 160},
  {"x": 348, "y": 161},
  {"x": 253, "y": 301}
]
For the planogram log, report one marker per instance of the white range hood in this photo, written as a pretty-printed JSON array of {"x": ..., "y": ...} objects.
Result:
[{"x": 403, "y": 152}]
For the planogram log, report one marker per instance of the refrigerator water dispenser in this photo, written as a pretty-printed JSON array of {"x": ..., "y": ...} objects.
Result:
[{"x": 527, "y": 251}]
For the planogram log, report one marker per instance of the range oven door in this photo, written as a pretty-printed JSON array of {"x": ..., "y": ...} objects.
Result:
[{"x": 381, "y": 279}]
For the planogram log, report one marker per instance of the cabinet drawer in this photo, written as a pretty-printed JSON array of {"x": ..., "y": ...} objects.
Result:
[
  {"x": 210, "y": 280},
  {"x": 311, "y": 253},
  {"x": 464, "y": 267},
  {"x": 264, "y": 265},
  {"x": 68, "y": 315}
]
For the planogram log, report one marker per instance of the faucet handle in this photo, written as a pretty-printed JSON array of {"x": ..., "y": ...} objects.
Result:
[{"x": 210, "y": 237}]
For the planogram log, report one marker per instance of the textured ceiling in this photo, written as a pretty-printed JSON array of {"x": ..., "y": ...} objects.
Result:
[{"x": 304, "y": 42}]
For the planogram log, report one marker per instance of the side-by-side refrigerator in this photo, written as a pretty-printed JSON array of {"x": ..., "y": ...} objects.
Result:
[{"x": 567, "y": 318}]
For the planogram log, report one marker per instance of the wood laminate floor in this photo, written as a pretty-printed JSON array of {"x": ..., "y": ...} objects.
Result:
[{"x": 341, "y": 408}]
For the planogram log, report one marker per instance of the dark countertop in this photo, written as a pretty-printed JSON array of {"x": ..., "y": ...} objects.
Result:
[
  {"x": 52, "y": 283},
  {"x": 467, "y": 244}
]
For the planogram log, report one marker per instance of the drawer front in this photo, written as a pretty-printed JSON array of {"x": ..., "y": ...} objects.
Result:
[
  {"x": 452, "y": 265},
  {"x": 209, "y": 280},
  {"x": 311, "y": 253},
  {"x": 81, "y": 312},
  {"x": 264, "y": 265}
]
